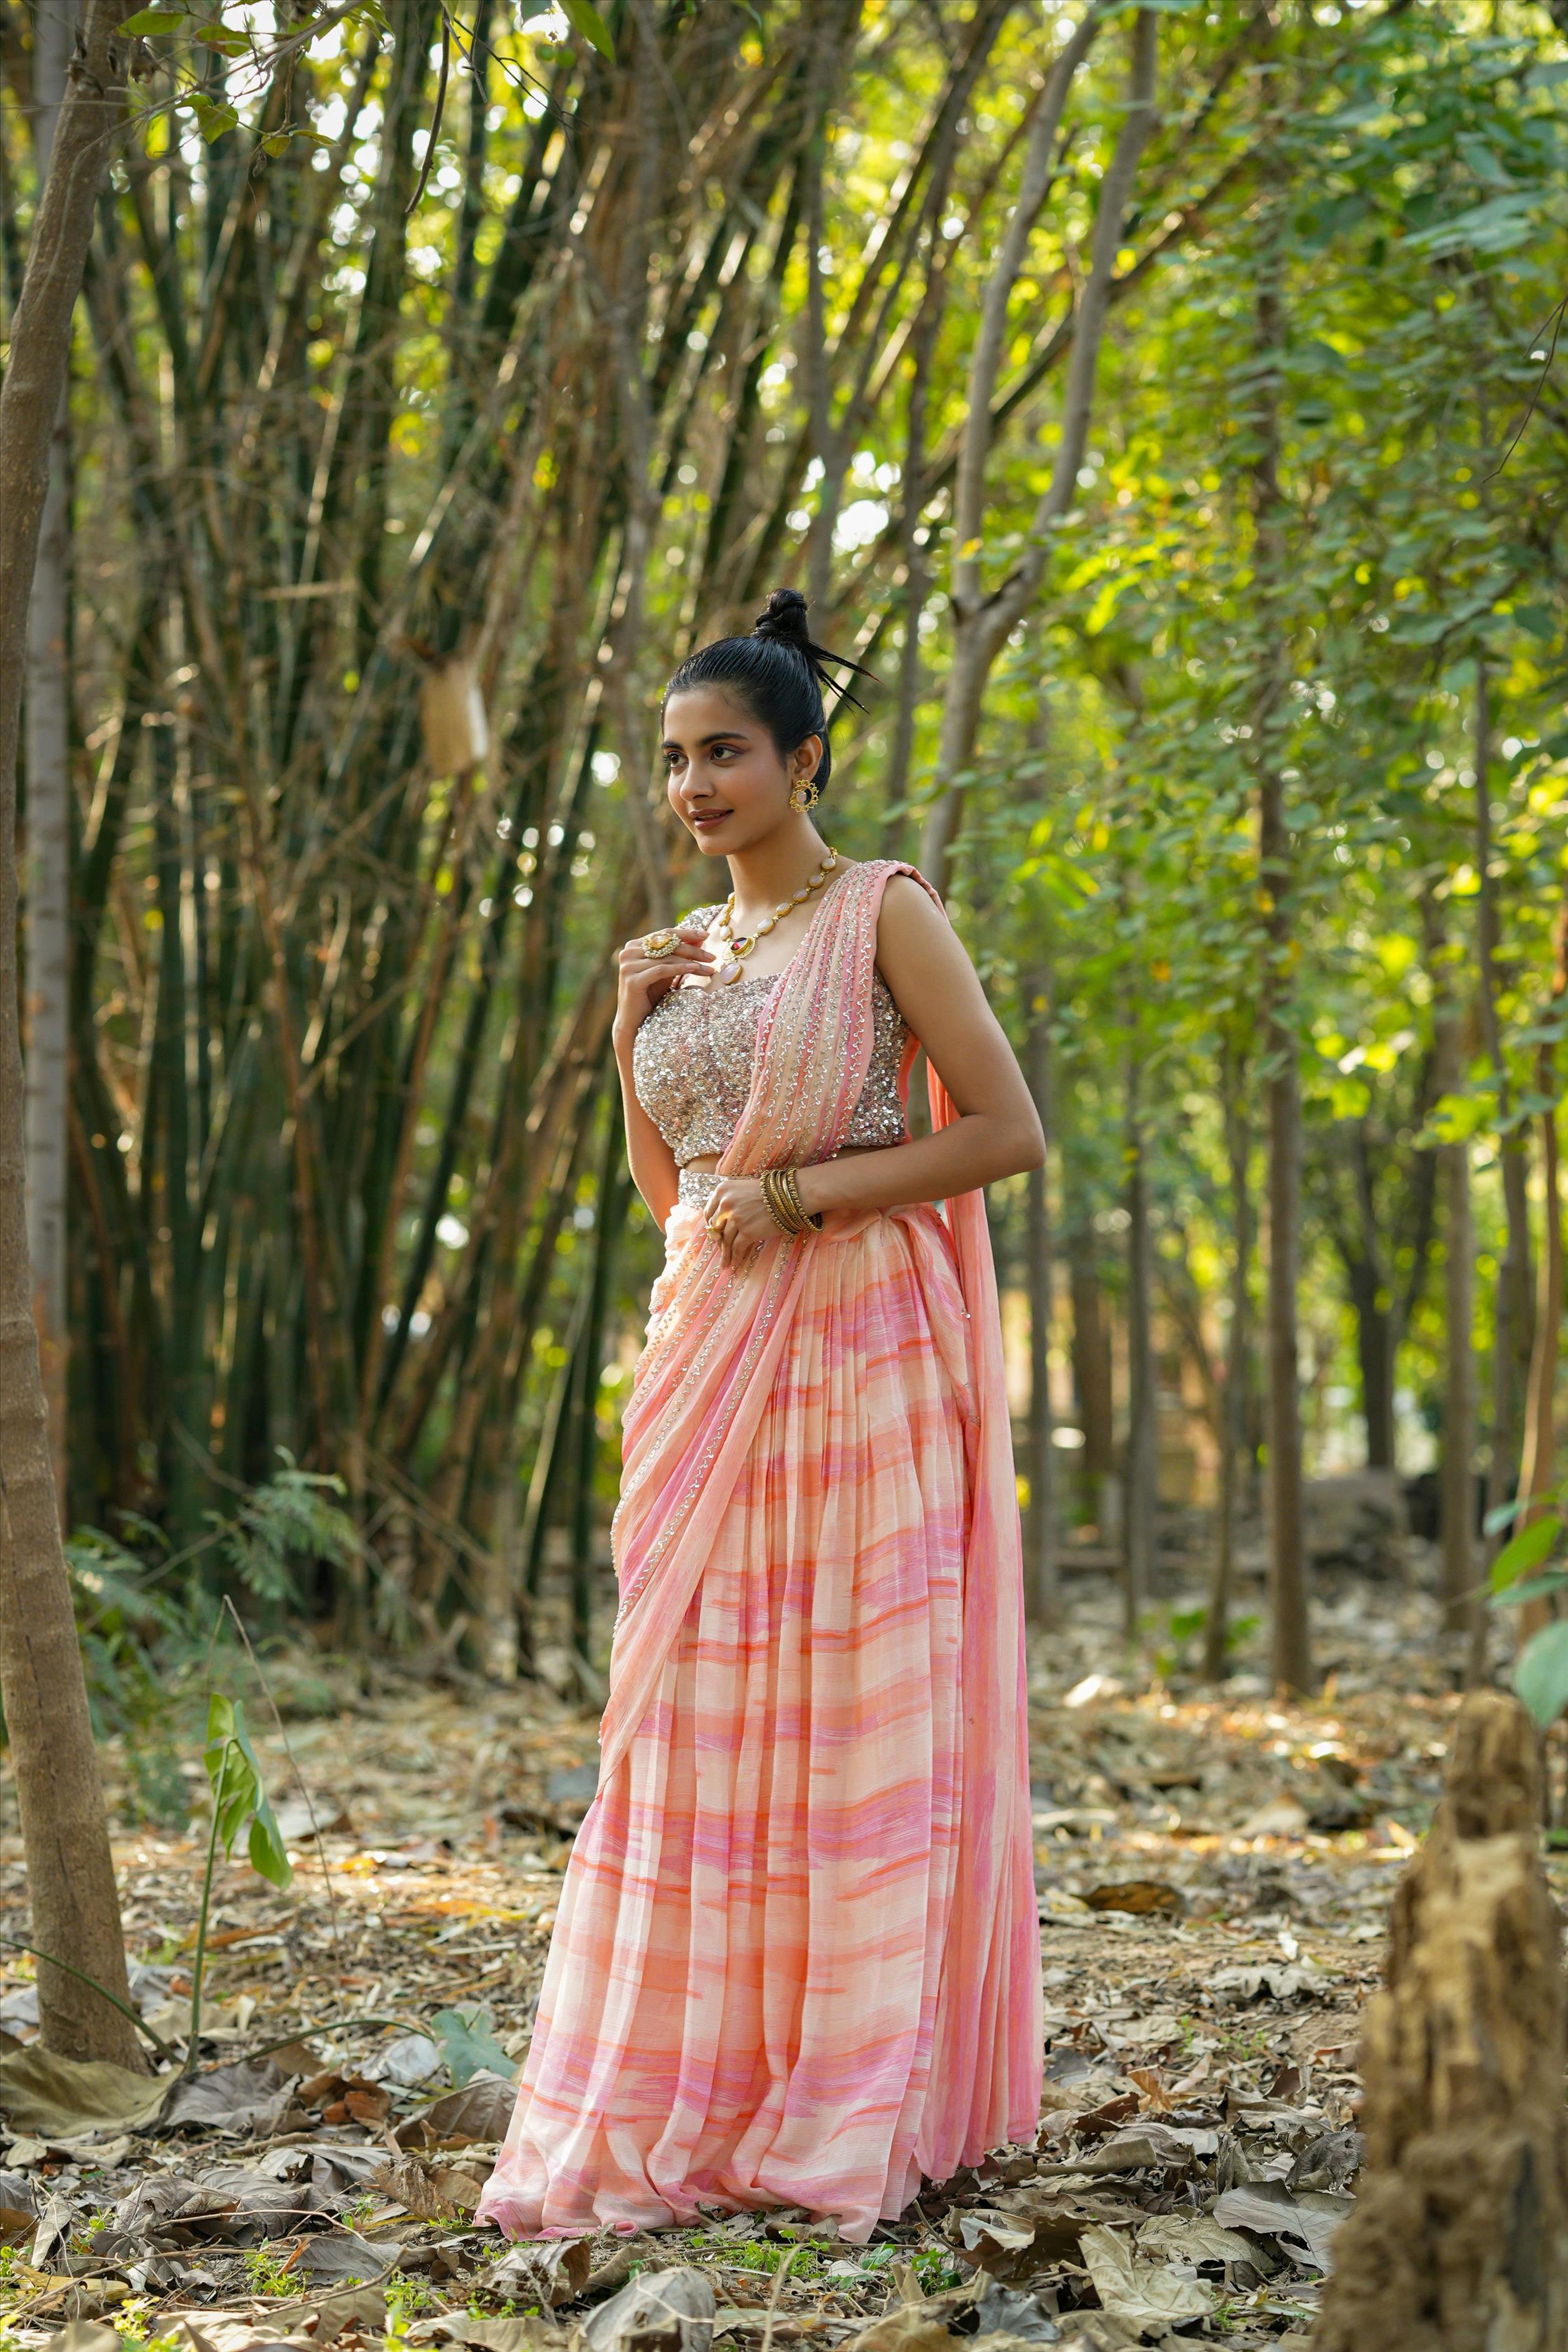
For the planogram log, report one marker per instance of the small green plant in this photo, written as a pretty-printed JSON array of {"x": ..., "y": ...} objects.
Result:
[
  {"x": 1531, "y": 1565},
  {"x": 292, "y": 1517},
  {"x": 762, "y": 2254},
  {"x": 467, "y": 2044},
  {"x": 935, "y": 2270},
  {"x": 1183, "y": 1628},
  {"x": 265, "y": 2269},
  {"x": 407, "y": 2298},
  {"x": 358, "y": 2210},
  {"x": 239, "y": 1797}
]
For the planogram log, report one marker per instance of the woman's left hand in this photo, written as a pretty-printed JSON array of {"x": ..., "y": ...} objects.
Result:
[{"x": 738, "y": 1218}]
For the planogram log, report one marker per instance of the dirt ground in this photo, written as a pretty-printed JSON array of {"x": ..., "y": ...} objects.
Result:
[{"x": 1214, "y": 1869}]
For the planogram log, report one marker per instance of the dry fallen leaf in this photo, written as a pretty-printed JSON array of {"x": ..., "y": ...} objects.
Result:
[
  {"x": 1138, "y": 1896},
  {"x": 907, "y": 2329},
  {"x": 1151, "y": 2294},
  {"x": 662, "y": 2311},
  {"x": 548, "y": 2270}
]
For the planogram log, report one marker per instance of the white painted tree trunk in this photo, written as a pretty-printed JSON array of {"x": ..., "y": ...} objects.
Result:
[{"x": 47, "y": 979}]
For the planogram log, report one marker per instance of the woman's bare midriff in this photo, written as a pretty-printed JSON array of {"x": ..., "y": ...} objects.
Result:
[{"x": 707, "y": 1162}]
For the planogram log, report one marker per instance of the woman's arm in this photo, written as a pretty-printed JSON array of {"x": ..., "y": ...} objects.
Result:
[
  {"x": 997, "y": 1131},
  {"x": 642, "y": 979},
  {"x": 654, "y": 1171}
]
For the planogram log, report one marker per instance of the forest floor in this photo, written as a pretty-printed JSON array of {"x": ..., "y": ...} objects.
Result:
[{"x": 1215, "y": 1869}]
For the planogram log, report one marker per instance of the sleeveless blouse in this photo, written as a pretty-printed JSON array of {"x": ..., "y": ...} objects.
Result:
[{"x": 691, "y": 1064}]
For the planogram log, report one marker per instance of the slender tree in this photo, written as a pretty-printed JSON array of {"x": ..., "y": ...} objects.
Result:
[
  {"x": 983, "y": 617},
  {"x": 1290, "y": 1649},
  {"x": 46, "y": 985},
  {"x": 1237, "y": 1358},
  {"x": 65, "y": 1833},
  {"x": 1143, "y": 1400},
  {"x": 1457, "y": 1499},
  {"x": 1513, "y": 1306},
  {"x": 1041, "y": 1567}
]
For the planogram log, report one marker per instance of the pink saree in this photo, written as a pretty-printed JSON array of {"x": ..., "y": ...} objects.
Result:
[{"x": 796, "y": 1960}]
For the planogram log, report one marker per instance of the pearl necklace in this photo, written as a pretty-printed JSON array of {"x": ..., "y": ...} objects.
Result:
[{"x": 737, "y": 948}]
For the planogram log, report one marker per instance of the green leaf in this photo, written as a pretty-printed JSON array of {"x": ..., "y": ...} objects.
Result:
[
  {"x": 1528, "y": 1549},
  {"x": 153, "y": 20},
  {"x": 227, "y": 37},
  {"x": 466, "y": 2044},
  {"x": 1540, "y": 1676},
  {"x": 234, "y": 1771},
  {"x": 1533, "y": 1588},
  {"x": 268, "y": 1857},
  {"x": 213, "y": 116},
  {"x": 586, "y": 19}
]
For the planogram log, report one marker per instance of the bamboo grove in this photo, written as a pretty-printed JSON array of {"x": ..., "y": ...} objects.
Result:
[{"x": 1160, "y": 400}]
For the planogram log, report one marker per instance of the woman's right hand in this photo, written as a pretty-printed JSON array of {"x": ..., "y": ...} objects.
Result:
[{"x": 643, "y": 979}]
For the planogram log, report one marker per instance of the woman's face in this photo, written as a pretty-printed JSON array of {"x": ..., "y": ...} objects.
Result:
[{"x": 729, "y": 782}]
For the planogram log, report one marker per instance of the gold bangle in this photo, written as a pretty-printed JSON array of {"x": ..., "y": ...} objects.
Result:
[
  {"x": 791, "y": 1187},
  {"x": 776, "y": 1206},
  {"x": 780, "y": 1197}
]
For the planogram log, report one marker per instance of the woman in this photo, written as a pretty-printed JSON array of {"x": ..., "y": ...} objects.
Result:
[{"x": 796, "y": 1959}]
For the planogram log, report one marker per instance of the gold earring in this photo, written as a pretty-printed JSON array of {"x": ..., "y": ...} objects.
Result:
[{"x": 803, "y": 794}]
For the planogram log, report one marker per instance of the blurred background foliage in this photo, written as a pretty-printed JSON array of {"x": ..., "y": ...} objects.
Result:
[{"x": 401, "y": 472}]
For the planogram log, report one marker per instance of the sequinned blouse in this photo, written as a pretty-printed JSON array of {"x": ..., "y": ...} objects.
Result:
[{"x": 691, "y": 1063}]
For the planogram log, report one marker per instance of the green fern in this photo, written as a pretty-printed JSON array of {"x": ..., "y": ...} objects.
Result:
[{"x": 290, "y": 1518}]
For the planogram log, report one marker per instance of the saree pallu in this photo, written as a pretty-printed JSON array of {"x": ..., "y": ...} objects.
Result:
[{"x": 796, "y": 1960}]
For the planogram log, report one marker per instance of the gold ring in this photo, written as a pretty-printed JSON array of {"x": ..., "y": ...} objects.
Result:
[{"x": 660, "y": 943}]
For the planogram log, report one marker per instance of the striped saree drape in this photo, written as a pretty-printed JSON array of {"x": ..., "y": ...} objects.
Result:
[{"x": 796, "y": 1960}]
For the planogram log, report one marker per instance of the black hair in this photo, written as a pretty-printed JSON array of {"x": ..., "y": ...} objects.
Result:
[{"x": 777, "y": 673}]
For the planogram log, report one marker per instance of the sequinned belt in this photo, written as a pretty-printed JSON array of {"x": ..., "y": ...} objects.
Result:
[{"x": 696, "y": 1186}]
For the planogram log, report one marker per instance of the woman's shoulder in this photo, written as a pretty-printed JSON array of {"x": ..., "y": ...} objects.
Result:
[{"x": 909, "y": 909}]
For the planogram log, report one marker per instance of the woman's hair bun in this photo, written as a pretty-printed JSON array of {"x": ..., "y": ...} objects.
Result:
[
  {"x": 783, "y": 622},
  {"x": 783, "y": 615}
]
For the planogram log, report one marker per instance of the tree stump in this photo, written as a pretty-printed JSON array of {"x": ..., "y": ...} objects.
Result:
[{"x": 1459, "y": 2240}]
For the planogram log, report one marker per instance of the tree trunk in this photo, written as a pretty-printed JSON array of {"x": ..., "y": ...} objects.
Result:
[
  {"x": 1374, "y": 1337},
  {"x": 1458, "y": 2240},
  {"x": 981, "y": 620},
  {"x": 47, "y": 984},
  {"x": 614, "y": 1192},
  {"x": 1513, "y": 1313},
  {"x": 1290, "y": 1646},
  {"x": 1290, "y": 1640},
  {"x": 1041, "y": 1585},
  {"x": 1237, "y": 1357},
  {"x": 1538, "y": 1461},
  {"x": 65, "y": 1835},
  {"x": 1460, "y": 1605},
  {"x": 1092, "y": 1373},
  {"x": 1141, "y": 1470}
]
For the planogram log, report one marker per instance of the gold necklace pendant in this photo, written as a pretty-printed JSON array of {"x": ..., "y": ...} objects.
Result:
[{"x": 731, "y": 969}]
